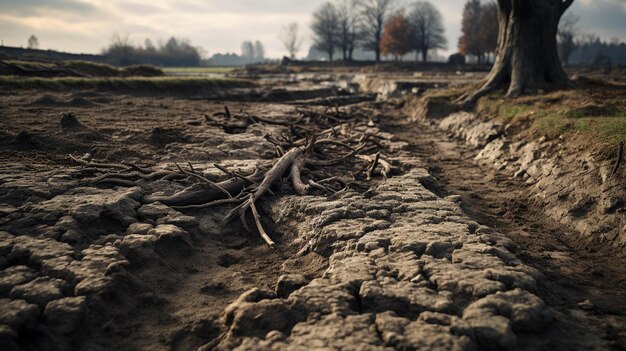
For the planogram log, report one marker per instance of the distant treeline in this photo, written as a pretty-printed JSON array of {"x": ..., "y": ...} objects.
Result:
[
  {"x": 173, "y": 53},
  {"x": 592, "y": 51}
]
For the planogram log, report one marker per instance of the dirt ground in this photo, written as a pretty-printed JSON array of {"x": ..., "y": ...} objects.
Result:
[
  {"x": 172, "y": 300},
  {"x": 94, "y": 266},
  {"x": 577, "y": 280}
]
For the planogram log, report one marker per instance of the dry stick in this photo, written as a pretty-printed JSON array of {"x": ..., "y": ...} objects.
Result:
[
  {"x": 204, "y": 179},
  {"x": 321, "y": 187},
  {"x": 279, "y": 150},
  {"x": 209, "y": 204},
  {"x": 620, "y": 157},
  {"x": 372, "y": 168},
  {"x": 151, "y": 176},
  {"x": 137, "y": 168},
  {"x": 234, "y": 174},
  {"x": 387, "y": 168},
  {"x": 257, "y": 220},
  {"x": 333, "y": 142},
  {"x": 335, "y": 161},
  {"x": 99, "y": 165},
  {"x": 272, "y": 176},
  {"x": 296, "y": 180}
]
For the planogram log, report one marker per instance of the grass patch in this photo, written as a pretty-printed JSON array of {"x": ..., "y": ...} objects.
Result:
[
  {"x": 598, "y": 114},
  {"x": 151, "y": 84},
  {"x": 198, "y": 70},
  {"x": 93, "y": 69}
]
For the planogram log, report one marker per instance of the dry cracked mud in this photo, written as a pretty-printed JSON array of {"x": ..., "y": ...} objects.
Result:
[{"x": 406, "y": 263}]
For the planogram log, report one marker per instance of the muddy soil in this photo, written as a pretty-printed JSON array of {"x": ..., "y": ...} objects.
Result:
[{"x": 580, "y": 283}]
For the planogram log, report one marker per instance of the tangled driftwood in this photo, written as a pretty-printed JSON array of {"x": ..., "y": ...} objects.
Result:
[{"x": 315, "y": 143}]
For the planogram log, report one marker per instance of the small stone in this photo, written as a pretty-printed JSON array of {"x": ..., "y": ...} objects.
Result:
[
  {"x": 155, "y": 210},
  {"x": 181, "y": 221},
  {"x": 13, "y": 276},
  {"x": 289, "y": 283},
  {"x": 18, "y": 313},
  {"x": 171, "y": 239},
  {"x": 64, "y": 315},
  {"x": 72, "y": 236},
  {"x": 93, "y": 286},
  {"x": 139, "y": 228},
  {"x": 586, "y": 305},
  {"x": 39, "y": 291}
]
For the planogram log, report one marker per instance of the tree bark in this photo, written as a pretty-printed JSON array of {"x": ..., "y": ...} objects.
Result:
[
  {"x": 527, "y": 59},
  {"x": 424, "y": 55}
]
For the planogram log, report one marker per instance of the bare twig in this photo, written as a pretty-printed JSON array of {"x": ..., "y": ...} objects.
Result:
[
  {"x": 206, "y": 180},
  {"x": 372, "y": 168},
  {"x": 259, "y": 226}
]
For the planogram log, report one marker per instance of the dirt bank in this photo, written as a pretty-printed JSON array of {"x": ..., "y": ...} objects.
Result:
[
  {"x": 579, "y": 283},
  {"x": 575, "y": 182}
]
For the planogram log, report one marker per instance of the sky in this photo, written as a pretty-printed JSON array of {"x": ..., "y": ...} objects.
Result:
[{"x": 86, "y": 26}]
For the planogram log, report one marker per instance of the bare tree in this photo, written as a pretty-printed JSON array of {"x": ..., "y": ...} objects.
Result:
[
  {"x": 469, "y": 43},
  {"x": 325, "y": 26},
  {"x": 121, "y": 49},
  {"x": 291, "y": 39},
  {"x": 347, "y": 12},
  {"x": 259, "y": 51},
  {"x": 527, "y": 60},
  {"x": 566, "y": 35},
  {"x": 247, "y": 49},
  {"x": 396, "y": 39},
  {"x": 33, "y": 42},
  {"x": 149, "y": 46},
  {"x": 427, "y": 28},
  {"x": 375, "y": 13}
]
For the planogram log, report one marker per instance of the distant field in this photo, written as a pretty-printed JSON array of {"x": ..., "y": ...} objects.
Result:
[
  {"x": 197, "y": 70},
  {"x": 178, "y": 84}
]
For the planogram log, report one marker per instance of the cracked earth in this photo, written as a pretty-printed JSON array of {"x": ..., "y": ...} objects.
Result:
[{"x": 424, "y": 260}]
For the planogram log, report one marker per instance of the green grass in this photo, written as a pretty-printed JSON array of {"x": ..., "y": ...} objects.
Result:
[
  {"x": 198, "y": 70},
  {"x": 608, "y": 129},
  {"x": 155, "y": 84},
  {"x": 93, "y": 69},
  {"x": 599, "y": 115}
]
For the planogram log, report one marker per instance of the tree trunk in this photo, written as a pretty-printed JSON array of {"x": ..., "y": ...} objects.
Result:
[
  {"x": 526, "y": 58},
  {"x": 424, "y": 55}
]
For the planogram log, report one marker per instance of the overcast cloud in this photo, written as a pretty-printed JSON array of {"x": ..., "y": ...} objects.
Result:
[{"x": 218, "y": 25}]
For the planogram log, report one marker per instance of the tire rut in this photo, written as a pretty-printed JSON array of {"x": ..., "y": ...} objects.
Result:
[{"x": 587, "y": 285}]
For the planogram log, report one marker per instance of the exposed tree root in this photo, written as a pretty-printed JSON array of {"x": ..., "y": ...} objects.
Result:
[{"x": 309, "y": 153}]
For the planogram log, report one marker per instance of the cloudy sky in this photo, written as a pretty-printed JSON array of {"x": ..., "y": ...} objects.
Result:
[{"x": 217, "y": 25}]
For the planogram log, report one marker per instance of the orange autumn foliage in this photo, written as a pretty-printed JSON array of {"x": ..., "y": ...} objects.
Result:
[{"x": 397, "y": 37}]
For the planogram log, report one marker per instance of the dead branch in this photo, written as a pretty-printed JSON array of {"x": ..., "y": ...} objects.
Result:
[
  {"x": 372, "y": 168},
  {"x": 200, "y": 194},
  {"x": 387, "y": 169},
  {"x": 204, "y": 179},
  {"x": 259, "y": 226}
]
